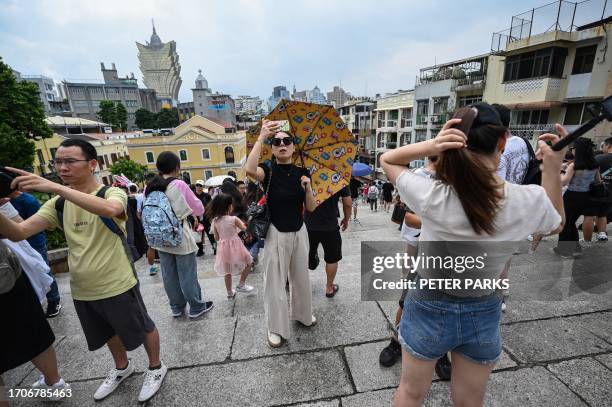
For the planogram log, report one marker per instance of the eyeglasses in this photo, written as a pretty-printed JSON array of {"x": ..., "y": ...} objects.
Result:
[
  {"x": 68, "y": 161},
  {"x": 276, "y": 141}
]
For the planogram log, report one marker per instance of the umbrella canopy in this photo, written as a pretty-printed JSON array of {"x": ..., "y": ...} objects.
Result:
[
  {"x": 217, "y": 181},
  {"x": 324, "y": 145},
  {"x": 361, "y": 169}
]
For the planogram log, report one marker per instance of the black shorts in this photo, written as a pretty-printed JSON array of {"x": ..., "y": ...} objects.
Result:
[
  {"x": 124, "y": 315},
  {"x": 331, "y": 242},
  {"x": 599, "y": 209},
  {"x": 25, "y": 330}
]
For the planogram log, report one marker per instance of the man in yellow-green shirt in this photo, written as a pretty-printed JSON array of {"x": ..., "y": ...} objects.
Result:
[{"x": 104, "y": 286}]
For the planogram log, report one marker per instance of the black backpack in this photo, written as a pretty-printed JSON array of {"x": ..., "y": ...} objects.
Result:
[{"x": 533, "y": 175}]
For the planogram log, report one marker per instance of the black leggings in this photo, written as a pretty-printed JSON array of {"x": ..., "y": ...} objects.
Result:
[
  {"x": 373, "y": 203},
  {"x": 575, "y": 203}
]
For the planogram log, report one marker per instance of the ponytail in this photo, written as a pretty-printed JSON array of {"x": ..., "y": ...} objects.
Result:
[{"x": 471, "y": 177}]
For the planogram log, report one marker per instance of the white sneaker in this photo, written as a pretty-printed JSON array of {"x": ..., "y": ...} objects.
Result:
[
  {"x": 152, "y": 382},
  {"x": 113, "y": 380},
  {"x": 59, "y": 386},
  {"x": 602, "y": 237},
  {"x": 505, "y": 292},
  {"x": 232, "y": 295},
  {"x": 245, "y": 288},
  {"x": 503, "y": 307},
  {"x": 274, "y": 340}
]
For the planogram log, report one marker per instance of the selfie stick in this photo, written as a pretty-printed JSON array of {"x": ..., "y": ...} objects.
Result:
[{"x": 605, "y": 113}]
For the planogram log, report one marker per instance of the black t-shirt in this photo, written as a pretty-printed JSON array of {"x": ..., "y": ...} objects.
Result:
[
  {"x": 286, "y": 196},
  {"x": 387, "y": 189},
  {"x": 325, "y": 217},
  {"x": 355, "y": 185}
]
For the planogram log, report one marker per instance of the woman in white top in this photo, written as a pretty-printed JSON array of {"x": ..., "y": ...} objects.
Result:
[{"x": 466, "y": 202}]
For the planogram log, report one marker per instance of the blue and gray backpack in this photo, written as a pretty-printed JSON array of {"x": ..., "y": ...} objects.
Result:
[{"x": 161, "y": 226}]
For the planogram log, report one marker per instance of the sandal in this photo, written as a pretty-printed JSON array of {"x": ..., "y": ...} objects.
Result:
[{"x": 335, "y": 287}]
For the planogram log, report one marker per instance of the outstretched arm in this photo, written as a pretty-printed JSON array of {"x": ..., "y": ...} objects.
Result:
[{"x": 109, "y": 208}]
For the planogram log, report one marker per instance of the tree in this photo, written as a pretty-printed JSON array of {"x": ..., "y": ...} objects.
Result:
[
  {"x": 108, "y": 112},
  {"x": 22, "y": 119},
  {"x": 121, "y": 116},
  {"x": 131, "y": 169},
  {"x": 145, "y": 119},
  {"x": 167, "y": 118}
]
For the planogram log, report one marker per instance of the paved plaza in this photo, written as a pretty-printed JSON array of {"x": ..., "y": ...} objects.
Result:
[{"x": 556, "y": 353}]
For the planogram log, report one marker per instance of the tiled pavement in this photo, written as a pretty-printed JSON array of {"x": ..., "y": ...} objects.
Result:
[{"x": 556, "y": 353}]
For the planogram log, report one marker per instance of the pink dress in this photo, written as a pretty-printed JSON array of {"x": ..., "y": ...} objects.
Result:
[{"x": 232, "y": 256}]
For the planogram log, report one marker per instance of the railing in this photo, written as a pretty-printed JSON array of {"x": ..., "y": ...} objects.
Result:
[
  {"x": 405, "y": 123},
  {"x": 469, "y": 80}
]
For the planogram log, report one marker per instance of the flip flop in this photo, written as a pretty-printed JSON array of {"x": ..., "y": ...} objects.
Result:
[{"x": 336, "y": 287}]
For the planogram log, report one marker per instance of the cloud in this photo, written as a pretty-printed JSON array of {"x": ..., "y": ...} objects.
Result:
[{"x": 247, "y": 47}]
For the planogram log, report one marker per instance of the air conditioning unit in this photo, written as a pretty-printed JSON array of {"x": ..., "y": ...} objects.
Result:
[
  {"x": 423, "y": 119},
  {"x": 371, "y": 152},
  {"x": 434, "y": 119}
]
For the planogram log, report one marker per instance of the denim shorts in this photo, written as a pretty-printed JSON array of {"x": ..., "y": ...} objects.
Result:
[{"x": 469, "y": 326}]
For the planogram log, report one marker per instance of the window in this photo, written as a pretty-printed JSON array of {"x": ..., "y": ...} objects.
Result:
[
  {"x": 229, "y": 155},
  {"x": 423, "y": 107},
  {"x": 205, "y": 154},
  {"x": 113, "y": 157},
  {"x": 577, "y": 113},
  {"x": 524, "y": 117},
  {"x": 53, "y": 151},
  {"x": 469, "y": 100},
  {"x": 420, "y": 135},
  {"x": 583, "y": 63},
  {"x": 183, "y": 155},
  {"x": 150, "y": 158},
  {"x": 100, "y": 162},
  {"x": 208, "y": 174},
  {"x": 440, "y": 105},
  {"x": 547, "y": 62}
]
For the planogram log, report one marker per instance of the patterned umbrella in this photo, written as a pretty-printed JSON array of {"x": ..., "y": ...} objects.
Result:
[{"x": 324, "y": 145}]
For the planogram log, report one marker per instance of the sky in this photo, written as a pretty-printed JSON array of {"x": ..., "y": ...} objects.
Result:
[{"x": 246, "y": 47}]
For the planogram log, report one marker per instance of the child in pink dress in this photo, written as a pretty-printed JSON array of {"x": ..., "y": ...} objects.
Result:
[{"x": 232, "y": 256}]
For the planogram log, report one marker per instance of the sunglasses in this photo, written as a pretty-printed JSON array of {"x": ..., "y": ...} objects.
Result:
[{"x": 276, "y": 142}]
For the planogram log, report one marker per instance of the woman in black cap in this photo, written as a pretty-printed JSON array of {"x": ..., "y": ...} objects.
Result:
[{"x": 467, "y": 202}]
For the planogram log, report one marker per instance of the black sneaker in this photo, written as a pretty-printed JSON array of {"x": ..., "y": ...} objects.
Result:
[
  {"x": 53, "y": 309},
  {"x": 313, "y": 262},
  {"x": 200, "y": 253},
  {"x": 390, "y": 354},
  {"x": 443, "y": 368}
]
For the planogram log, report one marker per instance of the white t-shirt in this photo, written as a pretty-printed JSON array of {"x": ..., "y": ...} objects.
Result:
[
  {"x": 9, "y": 210},
  {"x": 524, "y": 210},
  {"x": 514, "y": 161}
]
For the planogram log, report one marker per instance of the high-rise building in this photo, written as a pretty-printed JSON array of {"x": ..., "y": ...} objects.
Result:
[
  {"x": 159, "y": 63},
  {"x": 337, "y": 97},
  {"x": 315, "y": 96},
  {"x": 278, "y": 93},
  {"x": 218, "y": 107},
  {"x": 248, "y": 105}
]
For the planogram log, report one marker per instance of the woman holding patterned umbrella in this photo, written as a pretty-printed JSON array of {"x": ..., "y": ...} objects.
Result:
[{"x": 286, "y": 249}]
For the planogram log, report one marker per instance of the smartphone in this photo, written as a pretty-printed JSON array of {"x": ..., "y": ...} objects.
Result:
[
  {"x": 6, "y": 177},
  {"x": 284, "y": 125}
]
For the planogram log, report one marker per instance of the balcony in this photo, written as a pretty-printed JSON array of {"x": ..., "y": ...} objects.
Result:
[
  {"x": 470, "y": 83},
  {"x": 529, "y": 91},
  {"x": 405, "y": 123}
]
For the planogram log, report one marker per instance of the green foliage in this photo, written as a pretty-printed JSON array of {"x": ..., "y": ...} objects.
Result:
[
  {"x": 15, "y": 149},
  {"x": 121, "y": 116},
  {"x": 55, "y": 239},
  {"x": 22, "y": 119},
  {"x": 108, "y": 112},
  {"x": 167, "y": 118},
  {"x": 145, "y": 119},
  {"x": 131, "y": 169}
]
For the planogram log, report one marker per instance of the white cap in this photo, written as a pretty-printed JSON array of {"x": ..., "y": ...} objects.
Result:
[{"x": 199, "y": 182}]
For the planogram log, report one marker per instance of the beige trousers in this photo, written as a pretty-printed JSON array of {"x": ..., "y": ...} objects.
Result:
[{"x": 286, "y": 256}]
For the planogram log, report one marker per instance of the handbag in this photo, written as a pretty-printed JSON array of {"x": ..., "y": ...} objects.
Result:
[
  {"x": 398, "y": 214},
  {"x": 259, "y": 216}
]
